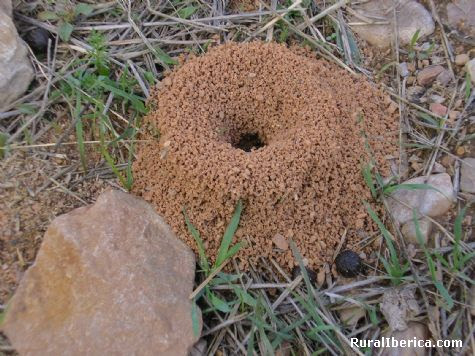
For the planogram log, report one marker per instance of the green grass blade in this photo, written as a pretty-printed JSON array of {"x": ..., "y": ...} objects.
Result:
[
  {"x": 409, "y": 186},
  {"x": 106, "y": 155},
  {"x": 368, "y": 178},
  {"x": 458, "y": 225},
  {"x": 195, "y": 318},
  {"x": 218, "y": 303},
  {"x": 234, "y": 249},
  {"x": 80, "y": 131},
  {"x": 199, "y": 242},
  {"x": 228, "y": 235},
  {"x": 3, "y": 144},
  {"x": 414, "y": 38},
  {"x": 384, "y": 231}
]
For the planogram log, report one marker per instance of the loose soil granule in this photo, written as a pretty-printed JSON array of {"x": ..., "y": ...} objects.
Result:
[{"x": 280, "y": 130}]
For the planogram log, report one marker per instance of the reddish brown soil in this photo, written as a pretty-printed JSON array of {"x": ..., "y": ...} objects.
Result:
[{"x": 305, "y": 183}]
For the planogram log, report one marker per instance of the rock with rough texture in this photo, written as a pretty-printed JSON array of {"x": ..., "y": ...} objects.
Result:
[
  {"x": 411, "y": 16},
  {"x": 471, "y": 69},
  {"x": 467, "y": 175},
  {"x": 6, "y": 7},
  {"x": 109, "y": 279},
  {"x": 414, "y": 330},
  {"x": 16, "y": 72},
  {"x": 427, "y": 75},
  {"x": 430, "y": 202},
  {"x": 409, "y": 231},
  {"x": 460, "y": 15},
  {"x": 398, "y": 306}
]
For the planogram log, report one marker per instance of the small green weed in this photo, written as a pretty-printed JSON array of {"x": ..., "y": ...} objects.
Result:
[
  {"x": 225, "y": 252},
  {"x": 394, "y": 268},
  {"x": 413, "y": 53},
  {"x": 65, "y": 14},
  {"x": 87, "y": 91}
]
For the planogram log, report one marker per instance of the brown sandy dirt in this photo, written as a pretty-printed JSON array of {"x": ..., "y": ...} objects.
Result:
[
  {"x": 29, "y": 201},
  {"x": 243, "y": 5},
  {"x": 304, "y": 183}
]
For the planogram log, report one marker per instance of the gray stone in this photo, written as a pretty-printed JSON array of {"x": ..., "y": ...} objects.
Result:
[
  {"x": 404, "y": 71},
  {"x": 467, "y": 175},
  {"x": 6, "y": 7},
  {"x": 460, "y": 15},
  {"x": 430, "y": 202},
  {"x": 411, "y": 16},
  {"x": 109, "y": 279},
  {"x": 16, "y": 71},
  {"x": 429, "y": 74}
]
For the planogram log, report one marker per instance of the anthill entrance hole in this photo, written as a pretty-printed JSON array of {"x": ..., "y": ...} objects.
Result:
[{"x": 248, "y": 142}]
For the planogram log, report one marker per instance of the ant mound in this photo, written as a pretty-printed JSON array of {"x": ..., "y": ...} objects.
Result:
[{"x": 278, "y": 129}]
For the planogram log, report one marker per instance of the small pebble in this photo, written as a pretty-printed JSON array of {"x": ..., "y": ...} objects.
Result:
[
  {"x": 437, "y": 98},
  {"x": 348, "y": 264},
  {"x": 461, "y": 59},
  {"x": 429, "y": 74},
  {"x": 403, "y": 69},
  {"x": 438, "y": 109}
]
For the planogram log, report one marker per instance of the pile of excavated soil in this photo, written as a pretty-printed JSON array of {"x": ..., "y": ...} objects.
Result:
[{"x": 280, "y": 130}]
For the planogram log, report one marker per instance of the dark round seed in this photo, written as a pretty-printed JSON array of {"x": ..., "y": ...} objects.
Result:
[
  {"x": 311, "y": 274},
  {"x": 37, "y": 39},
  {"x": 348, "y": 264}
]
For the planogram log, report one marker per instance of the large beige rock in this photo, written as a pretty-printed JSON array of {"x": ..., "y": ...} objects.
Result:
[
  {"x": 6, "y": 7},
  {"x": 430, "y": 202},
  {"x": 411, "y": 16},
  {"x": 109, "y": 279},
  {"x": 16, "y": 72}
]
